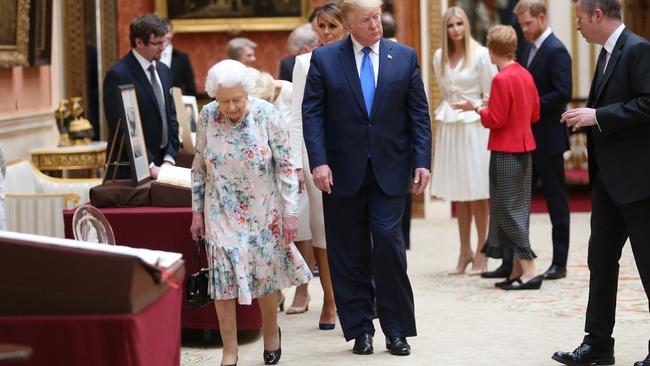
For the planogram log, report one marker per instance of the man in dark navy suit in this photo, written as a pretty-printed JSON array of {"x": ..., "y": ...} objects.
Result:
[
  {"x": 367, "y": 131},
  {"x": 153, "y": 82},
  {"x": 550, "y": 64},
  {"x": 617, "y": 123}
]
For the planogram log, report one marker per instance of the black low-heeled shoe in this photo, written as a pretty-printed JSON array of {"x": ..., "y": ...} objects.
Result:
[
  {"x": 232, "y": 364},
  {"x": 534, "y": 283},
  {"x": 506, "y": 282},
  {"x": 273, "y": 357},
  {"x": 326, "y": 326}
]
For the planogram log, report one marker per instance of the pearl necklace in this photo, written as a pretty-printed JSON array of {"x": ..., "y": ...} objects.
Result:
[{"x": 232, "y": 124}]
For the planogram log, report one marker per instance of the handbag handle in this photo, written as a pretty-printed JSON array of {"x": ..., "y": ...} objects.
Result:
[{"x": 197, "y": 251}]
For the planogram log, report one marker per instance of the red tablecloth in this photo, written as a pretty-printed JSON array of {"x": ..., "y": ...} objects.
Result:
[
  {"x": 151, "y": 337},
  {"x": 168, "y": 229}
]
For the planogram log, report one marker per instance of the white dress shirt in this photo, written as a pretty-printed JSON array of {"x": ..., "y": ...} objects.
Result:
[
  {"x": 166, "y": 55},
  {"x": 611, "y": 42},
  {"x": 538, "y": 43},
  {"x": 144, "y": 63},
  {"x": 358, "y": 56}
]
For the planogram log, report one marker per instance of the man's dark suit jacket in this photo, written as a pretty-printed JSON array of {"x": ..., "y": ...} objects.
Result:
[
  {"x": 338, "y": 131},
  {"x": 182, "y": 73},
  {"x": 286, "y": 68},
  {"x": 551, "y": 70},
  {"x": 620, "y": 149},
  {"x": 128, "y": 71}
]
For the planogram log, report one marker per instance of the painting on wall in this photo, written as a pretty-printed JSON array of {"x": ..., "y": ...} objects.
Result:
[
  {"x": 40, "y": 32},
  {"x": 233, "y": 15},
  {"x": 483, "y": 14},
  {"x": 14, "y": 32}
]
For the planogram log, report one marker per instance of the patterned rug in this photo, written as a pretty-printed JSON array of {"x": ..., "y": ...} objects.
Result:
[{"x": 561, "y": 298}]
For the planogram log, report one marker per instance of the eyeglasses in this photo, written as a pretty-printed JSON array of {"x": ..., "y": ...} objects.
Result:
[{"x": 156, "y": 44}]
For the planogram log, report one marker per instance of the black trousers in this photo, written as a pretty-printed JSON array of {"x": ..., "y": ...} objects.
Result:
[
  {"x": 356, "y": 259},
  {"x": 611, "y": 225},
  {"x": 549, "y": 169}
]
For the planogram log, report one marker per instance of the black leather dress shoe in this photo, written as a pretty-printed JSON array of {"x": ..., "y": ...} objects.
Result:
[
  {"x": 585, "y": 355},
  {"x": 500, "y": 272},
  {"x": 645, "y": 362},
  {"x": 398, "y": 346},
  {"x": 534, "y": 283},
  {"x": 363, "y": 344},
  {"x": 555, "y": 272}
]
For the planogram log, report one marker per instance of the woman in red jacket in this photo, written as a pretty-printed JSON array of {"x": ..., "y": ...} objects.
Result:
[{"x": 512, "y": 108}]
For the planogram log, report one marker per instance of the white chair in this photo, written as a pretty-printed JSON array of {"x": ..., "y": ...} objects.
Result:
[{"x": 34, "y": 202}]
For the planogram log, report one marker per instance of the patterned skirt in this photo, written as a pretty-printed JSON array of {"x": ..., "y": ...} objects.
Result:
[{"x": 510, "y": 190}]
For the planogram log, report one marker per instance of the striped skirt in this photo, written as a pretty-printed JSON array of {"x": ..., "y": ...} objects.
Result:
[{"x": 510, "y": 190}]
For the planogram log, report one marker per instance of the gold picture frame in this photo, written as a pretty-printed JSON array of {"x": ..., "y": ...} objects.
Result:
[
  {"x": 185, "y": 24},
  {"x": 14, "y": 33}
]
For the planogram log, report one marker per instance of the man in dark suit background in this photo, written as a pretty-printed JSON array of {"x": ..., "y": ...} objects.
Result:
[
  {"x": 549, "y": 63},
  {"x": 617, "y": 122},
  {"x": 367, "y": 132},
  {"x": 179, "y": 63},
  {"x": 301, "y": 40},
  {"x": 153, "y": 82}
]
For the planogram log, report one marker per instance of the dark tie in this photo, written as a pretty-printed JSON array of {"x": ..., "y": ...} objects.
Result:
[
  {"x": 157, "y": 90},
  {"x": 600, "y": 67},
  {"x": 367, "y": 77}
]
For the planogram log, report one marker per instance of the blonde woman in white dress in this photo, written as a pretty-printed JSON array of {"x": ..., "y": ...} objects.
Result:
[
  {"x": 461, "y": 161},
  {"x": 329, "y": 27}
]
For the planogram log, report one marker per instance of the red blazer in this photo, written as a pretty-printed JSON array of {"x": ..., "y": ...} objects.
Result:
[{"x": 512, "y": 108}]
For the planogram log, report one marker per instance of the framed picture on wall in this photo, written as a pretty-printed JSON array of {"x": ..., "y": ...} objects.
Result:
[
  {"x": 132, "y": 130},
  {"x": 234, "y": 15},
  {"x": 14, "y": 32}
]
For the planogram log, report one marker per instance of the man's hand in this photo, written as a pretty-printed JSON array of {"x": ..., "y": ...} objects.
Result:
[
  {"x": 301, "y": 180},
  {"x": 579, "y": 117},
  {"x": 323, "y": 179},
  {"x": 198, "y": 225},
  {"x": 154, "y": 170},
  {"x": 289, "y": 227},
  {"x": 422, "y": 177}
]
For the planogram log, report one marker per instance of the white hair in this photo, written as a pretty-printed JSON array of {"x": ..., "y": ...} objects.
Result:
[
  {"x": 228, "y": 73},
  {"x": 300, "y": 37},
  {"x": 264, "y": 84}
]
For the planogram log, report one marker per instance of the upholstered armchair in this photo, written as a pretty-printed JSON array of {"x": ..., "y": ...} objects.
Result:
[{"x": 34, "y": 202}]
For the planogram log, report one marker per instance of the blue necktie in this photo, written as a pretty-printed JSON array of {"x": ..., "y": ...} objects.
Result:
[{"x": 367, "y": 79}]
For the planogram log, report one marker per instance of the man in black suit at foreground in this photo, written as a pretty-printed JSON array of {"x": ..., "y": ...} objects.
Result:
[{"x": 617, "y": 119}]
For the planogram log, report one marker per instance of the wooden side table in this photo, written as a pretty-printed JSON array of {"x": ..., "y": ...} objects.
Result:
[{"x": 89, "y": 157}]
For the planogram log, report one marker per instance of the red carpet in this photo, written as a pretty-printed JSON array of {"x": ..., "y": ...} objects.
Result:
[{"x": 577, "y": 181}]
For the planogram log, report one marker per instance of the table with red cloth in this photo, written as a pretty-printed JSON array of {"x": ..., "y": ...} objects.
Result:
[
  {"x": 168, "y": 229},
  {"x": 118, "y": 339}
]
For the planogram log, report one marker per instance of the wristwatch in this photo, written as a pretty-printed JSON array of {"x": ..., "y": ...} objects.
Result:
[{"x": 477, "y": 109}]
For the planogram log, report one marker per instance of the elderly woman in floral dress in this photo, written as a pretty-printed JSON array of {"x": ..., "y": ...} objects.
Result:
[{"x": 245, "y": 193}]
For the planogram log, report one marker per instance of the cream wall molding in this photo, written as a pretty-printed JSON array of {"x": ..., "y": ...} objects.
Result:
[{"x": 25, "y": 124}]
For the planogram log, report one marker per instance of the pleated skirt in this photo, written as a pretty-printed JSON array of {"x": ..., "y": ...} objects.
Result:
[
  {"x": 461, "y": 162},
  {"x": 510, "y": 191}
]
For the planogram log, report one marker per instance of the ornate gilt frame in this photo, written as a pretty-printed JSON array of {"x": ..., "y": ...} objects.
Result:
[
  {"x": 17, "y": 54},
  {"x": 235, "y": 25}
]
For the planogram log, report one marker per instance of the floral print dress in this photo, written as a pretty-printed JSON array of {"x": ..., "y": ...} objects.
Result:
[{"x": 243, "y": 181}]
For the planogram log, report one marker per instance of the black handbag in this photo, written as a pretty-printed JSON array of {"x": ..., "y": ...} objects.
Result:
[{"x": 196, "y": 287}]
